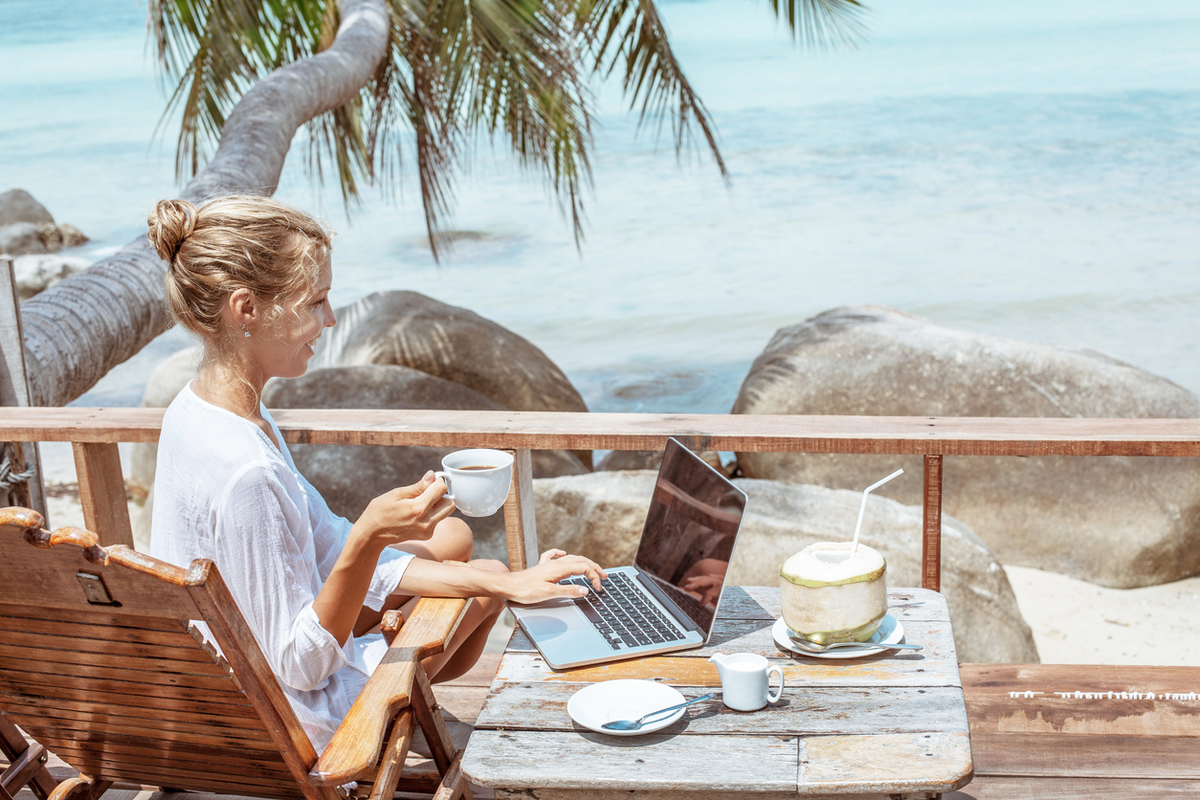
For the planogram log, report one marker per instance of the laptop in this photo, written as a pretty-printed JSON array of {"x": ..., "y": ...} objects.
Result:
[{"x": 668, "y": 599}]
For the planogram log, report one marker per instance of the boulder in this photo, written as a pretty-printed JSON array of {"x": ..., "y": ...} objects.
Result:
[
  {"x": 601, "y": 515},
  {"x": 411, "y": 330},
  {"x": 21, "y": 238},
  {"x": 37, "y": 273},
  {"x": 629, "y": 459},
  {"x": 18, "y": 205},
  {"x": 1114, "y": 521},
  {"x": 350, "y": 476}
]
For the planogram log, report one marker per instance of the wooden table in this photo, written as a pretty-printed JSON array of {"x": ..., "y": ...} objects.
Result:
[{"x": 891, "y": 725}]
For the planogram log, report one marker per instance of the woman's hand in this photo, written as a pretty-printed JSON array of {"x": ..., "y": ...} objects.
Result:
[
  {"x": 405, "y": 514},
  {"x": 540, "y": 583}
]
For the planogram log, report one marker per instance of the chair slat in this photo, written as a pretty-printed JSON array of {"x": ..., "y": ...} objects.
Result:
[
  {"x": 224, "y": 696},
  {"x": 17, "y": 615},
  {"x": 65, "y": 658},
  {"x": 35, "y": 722},
  {"x": 177, "y": 650},
  {"x": 126, "y": 706},
  {"x": 148, "y": 678},
  {"x": 189, "y": 756}
]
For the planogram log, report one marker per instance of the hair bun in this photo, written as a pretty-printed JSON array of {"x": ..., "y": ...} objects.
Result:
[{"x": 171, "y": 222}]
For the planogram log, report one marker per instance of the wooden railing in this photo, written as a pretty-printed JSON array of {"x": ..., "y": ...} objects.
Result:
[{"x": 95, "y": 432}]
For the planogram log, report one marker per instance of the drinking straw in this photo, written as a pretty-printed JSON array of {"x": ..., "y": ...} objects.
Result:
[{"x": 863, "y": 507}]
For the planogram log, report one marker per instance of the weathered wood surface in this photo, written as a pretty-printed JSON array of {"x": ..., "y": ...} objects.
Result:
[
  {"x": 655, "y": 761},
  {"x": 1076, "y": 731},
  {"x": 530, "y": 430},
  {"x": 355, "y": 746},
  {"x": 520, "y": 524},
  {"x": 807, "y": 711},
  {"x": 14, "y": 392},
  {"x": 989, "y": 788},
  {"x": 886, "y": 724},
  {"x": 102, "y": 491}
]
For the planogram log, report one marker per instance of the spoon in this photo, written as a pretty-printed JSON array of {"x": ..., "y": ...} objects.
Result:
[
  {"x": 813, "y": 647},
  {"x": 634, "y": 724}
]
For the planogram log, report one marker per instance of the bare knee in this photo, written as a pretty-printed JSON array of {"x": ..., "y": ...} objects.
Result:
[{"x": 455, "y": 539}]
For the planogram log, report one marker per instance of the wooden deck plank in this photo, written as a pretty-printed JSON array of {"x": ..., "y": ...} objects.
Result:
[
  {"x": 813, "y": 712},
  {"x": 1066, "y": 755},
  {"x": 533, "y": 430},
  {"x": 992, "y": 788},
  {"x": 633, "y": 763}
]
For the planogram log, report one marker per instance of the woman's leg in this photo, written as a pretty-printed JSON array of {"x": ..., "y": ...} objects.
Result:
[
  {"x": 451, "y": 541},
  {"x": 466, "y": 645}
]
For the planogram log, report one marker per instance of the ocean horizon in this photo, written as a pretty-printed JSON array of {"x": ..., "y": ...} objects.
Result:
[{"x": 1015, "y": 169}]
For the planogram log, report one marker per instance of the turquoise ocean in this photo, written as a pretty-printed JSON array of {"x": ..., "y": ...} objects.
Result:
[{"x": 1026, "y": 169}]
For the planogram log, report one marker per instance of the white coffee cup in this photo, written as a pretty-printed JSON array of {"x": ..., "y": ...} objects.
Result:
[
  {"x": 477, "y": 480},
  {"x": 745, "y": 680}
]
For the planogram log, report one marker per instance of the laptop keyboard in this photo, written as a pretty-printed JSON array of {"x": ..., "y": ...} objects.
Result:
[{"x": 623, "y": 614}]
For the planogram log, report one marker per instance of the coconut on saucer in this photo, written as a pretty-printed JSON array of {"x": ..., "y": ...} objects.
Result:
[{"x": 834, "y": 592}]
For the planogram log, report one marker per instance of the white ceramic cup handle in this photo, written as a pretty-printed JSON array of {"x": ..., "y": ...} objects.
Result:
[
  {"x": 771, "y": 698},
  {"x": 446, "y": 479}
]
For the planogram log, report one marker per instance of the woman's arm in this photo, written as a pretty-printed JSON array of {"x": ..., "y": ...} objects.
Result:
[
  {"x": 533, "y": 585},
  {"x": 405, "y": 514}
]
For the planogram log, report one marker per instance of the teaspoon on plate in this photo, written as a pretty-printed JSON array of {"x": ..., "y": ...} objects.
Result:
[{"x": 634, "y": 724}]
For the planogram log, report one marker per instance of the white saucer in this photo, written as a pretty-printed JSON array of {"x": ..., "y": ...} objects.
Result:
[
  {"x": 890, "y": 632},
  {"x": 594, "y": 705}
]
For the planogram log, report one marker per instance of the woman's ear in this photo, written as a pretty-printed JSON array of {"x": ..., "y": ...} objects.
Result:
[{"x": 243, "y": 307}]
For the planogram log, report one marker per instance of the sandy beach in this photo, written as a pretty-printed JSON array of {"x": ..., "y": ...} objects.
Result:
[{"x": 1073, "y": 622}]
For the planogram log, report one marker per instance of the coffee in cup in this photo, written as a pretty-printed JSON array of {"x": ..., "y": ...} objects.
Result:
[{"x": 477, "y": 480}]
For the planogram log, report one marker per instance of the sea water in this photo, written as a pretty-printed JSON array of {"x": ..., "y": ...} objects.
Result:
[{"x": 1015, "y": 168}]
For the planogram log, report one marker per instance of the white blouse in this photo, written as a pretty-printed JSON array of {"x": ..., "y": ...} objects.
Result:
[{"x": 223, "y": 491}]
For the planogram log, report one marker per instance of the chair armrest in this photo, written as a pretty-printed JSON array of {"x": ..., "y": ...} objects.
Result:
[{"x": 354, "y": 750}]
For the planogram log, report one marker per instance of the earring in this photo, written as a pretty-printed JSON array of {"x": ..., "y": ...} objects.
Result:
[{"x": 245, "y": 332}]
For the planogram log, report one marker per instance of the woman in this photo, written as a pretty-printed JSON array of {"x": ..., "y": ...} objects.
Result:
[{"x": 251, "y": 277}]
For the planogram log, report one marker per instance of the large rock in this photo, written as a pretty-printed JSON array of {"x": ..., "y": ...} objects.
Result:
[
  {"x": 601, "y": 515},
  {"x": 1114, "y": 521},
  {"x": 350, "y": 476},
  {"x": 18, "y": 205},
  {"x": 37, "y": 273},
  {"x": 412, "y": 330},
  {"x": 21, "y": 238}
]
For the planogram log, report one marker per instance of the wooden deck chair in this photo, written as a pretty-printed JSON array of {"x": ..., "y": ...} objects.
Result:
[{"x": 100, "y": 665}]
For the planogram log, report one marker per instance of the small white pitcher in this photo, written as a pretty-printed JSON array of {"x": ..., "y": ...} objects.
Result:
[{"x": 745, "y": 680}]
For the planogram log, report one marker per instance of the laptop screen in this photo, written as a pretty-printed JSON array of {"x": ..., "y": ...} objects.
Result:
[{"x": 690, "y": 530}]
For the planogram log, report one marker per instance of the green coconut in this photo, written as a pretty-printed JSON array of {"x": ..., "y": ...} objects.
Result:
[{"x": 830, "y": 592}]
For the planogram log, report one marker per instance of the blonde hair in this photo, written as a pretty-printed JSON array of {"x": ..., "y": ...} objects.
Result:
[{"x": 229, "y": 243}]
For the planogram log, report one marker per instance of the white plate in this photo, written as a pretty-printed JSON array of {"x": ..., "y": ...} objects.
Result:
[
  {"x": 594, "y": 705},
  {"x": 890, "y": 632}
]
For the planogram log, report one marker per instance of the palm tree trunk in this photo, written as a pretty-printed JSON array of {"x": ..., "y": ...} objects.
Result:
[{"x": 82, "y": 327}]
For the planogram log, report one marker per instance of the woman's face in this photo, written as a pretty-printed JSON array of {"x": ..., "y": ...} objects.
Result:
[{"x": 285, "y": 353}]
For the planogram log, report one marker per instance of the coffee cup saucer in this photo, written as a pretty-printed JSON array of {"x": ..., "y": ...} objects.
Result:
[{"x": 890, "y": 632}]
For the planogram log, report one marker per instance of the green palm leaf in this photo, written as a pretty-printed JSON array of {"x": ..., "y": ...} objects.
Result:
[{"x": 511, "y": 70}]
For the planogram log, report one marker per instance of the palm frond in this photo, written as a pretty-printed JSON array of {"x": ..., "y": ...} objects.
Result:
[
  {"x": 631, "y": 34},
  {"x": 215, "y": 50},
  {"x": 823, "y": 23},
  {"x": 461, "y": 68}
]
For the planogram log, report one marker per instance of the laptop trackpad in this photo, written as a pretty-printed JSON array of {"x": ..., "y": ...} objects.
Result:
[{"x": 542, "y": 626}]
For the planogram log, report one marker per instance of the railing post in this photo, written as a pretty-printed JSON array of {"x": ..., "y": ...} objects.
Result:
[
  {"x": 14, "y": 391},
  {"x": 931, "y": 544},
  {"x": 519, "y": 524},
  {"x": 102, "y": 492}
]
